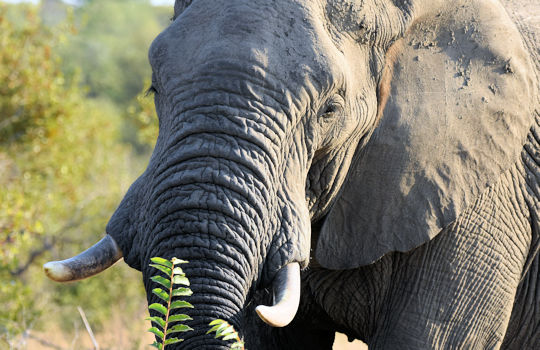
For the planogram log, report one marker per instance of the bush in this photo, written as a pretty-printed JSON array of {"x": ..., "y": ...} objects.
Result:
[{"x": 63, "y": 171}]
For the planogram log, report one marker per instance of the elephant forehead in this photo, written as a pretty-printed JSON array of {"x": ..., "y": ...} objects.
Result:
[{"x": 374, "y": 22}]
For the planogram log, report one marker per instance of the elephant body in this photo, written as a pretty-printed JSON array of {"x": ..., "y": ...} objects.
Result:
[
  {"x": 431, "y": 298},
  {"x": 388, "y": 148}
]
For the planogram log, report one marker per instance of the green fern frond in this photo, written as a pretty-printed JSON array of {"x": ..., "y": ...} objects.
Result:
[
  {"x": 226, "y": 331},
  {"x": 174, "y": 275}
]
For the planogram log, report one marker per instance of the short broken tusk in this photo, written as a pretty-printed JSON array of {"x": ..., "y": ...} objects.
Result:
[
  {"x": 92, "y": 261},
  {"x": 286, "y": 287}
]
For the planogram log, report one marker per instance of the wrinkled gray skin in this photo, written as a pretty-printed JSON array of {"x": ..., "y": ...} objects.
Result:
[{"x": 427, "y": 240}]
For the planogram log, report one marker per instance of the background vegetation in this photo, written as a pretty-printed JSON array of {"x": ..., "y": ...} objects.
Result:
[{"x": 75, "y": 131}]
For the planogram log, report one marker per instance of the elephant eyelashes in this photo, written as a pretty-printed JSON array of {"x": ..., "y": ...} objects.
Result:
[{"x": 333, "y": 107}]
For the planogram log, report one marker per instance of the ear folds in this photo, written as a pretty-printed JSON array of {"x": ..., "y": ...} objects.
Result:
[{"x": 458, "y": 111}]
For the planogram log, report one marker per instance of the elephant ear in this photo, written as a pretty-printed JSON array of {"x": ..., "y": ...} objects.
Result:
[{"x": 459, "y": 110}]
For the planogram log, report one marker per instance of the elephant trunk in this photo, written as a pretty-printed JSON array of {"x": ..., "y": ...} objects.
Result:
[{"x": 210, "y": 205}]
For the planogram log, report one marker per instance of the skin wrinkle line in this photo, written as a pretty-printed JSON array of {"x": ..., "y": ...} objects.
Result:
[
  {"x": 254, "y": 183},
  {"x": 233, "y": 288},
  {"x": 238, "y": 94},
  {"x": 234, "y": 220},
  {"x": 233, "y": 187},
  {"x": 212, "y": 211},
  {"x": 204, "y": 191},
  {"x": 190, "y": 136},
  {"x": 260, "y": 82},
  {"x": 258, "y": 210},
  {"x": 208, "y": 208},
  {"x": 216, "y": 290},
  {"x": 200, "y": 109},
  {"x": 194, "y": 158},
  {"x": 238, "y": 247},
  {"x": 194, "y": 271},
  {"x": 231, "y": 92},
  {"x": 179, "y": 162},
  {"x": 254, "y": 63}
]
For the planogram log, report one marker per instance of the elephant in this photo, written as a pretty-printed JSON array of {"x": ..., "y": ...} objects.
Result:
[{"x": 364, "y": 166}]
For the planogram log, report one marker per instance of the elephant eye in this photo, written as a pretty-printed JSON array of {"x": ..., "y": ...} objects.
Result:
[{"x": 333, "y": 108}]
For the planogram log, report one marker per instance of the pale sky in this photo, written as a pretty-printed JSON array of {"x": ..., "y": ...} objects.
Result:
[{"x": 155, "y": 2}]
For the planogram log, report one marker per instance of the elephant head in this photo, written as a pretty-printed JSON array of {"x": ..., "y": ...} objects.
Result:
[{"x": 264, "y": 105}]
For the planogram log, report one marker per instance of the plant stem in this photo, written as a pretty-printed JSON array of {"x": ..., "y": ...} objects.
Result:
[
  {"x": 88, "y": 328},
  {"x": 171, "y": 278}
]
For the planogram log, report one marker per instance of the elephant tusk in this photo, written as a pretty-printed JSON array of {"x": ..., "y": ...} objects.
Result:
[
  {"x": 92, "y": 261},
  {"x": 286, "y": 287}
]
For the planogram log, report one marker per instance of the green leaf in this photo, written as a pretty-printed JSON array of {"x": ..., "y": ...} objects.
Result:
[
  {"x": 225, "y": 331},
  {"x": 178, "y": 271},
  {"x": 181, "y": 292},
  {"x": 163, "y": 269},
  {"x": 179, "y": 318},
  {"x": 173, "y": 341},
  {"x": 181, "y": 280},
  {"x": 157, "y": 332},
  {"x": 157, "y": 320},
  {"x": 216, "y": 322},
  {"x": 179, "y": 328},
  {"x": 159, "y": 308},
  {"x": 239, "y": 345},
  {"x": 179, "y": 261},
  {"x": 178, "y": 304},
  {"x": 233, "y": 335},
  {"x": 157, "y": 345},
  {"x": 163, "y": 281},
  {"x": 218, "y": 326},
  {"x": 162, "y": 261},
  {"x": 162, "y": 294}
]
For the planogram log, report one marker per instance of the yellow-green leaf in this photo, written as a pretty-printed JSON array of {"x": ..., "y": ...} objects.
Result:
[
  {"x": 159, "y": 308},
  {"x": 163, "y": 269},
  {"x": 181, "y": 280},
  {"x": 178, "y": 271},
  {"x": 179, "y": 261},
  {"x": 162, "y": 261},
  {"x": 179, "y": 328},
  {"x": 157, "y": 345},
  {"x": 181, "y": 292},
  {"x": 163, "y": 281},
  {"x": 163, "y": 295},
  {"x": 156, "y": 331},
  {"x": 178, "y": 304},
  {"x": 179, "y": 318},
  {"x": 173, "y": 341},
  {"x": 158, "y": 320}
]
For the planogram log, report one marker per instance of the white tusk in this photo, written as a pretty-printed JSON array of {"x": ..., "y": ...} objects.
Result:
[
  {"x": 90, "y": 262},
  {"x": 286, "y": 287}
]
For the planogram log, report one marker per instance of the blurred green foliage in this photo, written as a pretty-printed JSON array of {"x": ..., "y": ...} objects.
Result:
[
  {"x": 142, "y": 115},
  {"x": 63, "y": 163},
  {"x": 111, "y": 44}
]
